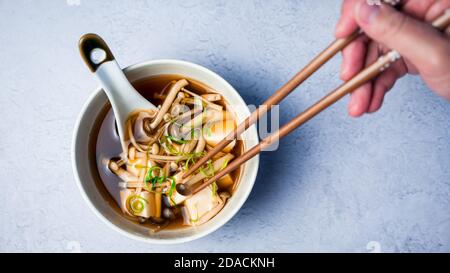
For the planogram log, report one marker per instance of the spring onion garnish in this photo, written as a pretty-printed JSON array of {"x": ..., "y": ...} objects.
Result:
[
  {"x": 192, "y": 158},
  {"x": 152, "y": 178},
  {"x": 136, "y": 204},
  {"x": 165, "y": 142},
  {"x": 225, "y": 164},
  {"x": 167, "y": 145},
  {"x": 209, "y": 171},
  {"x": 214, "y": 189},
  {"x": 150, "y": 171},
  {"x": 172, "y": 188},
  {"x": 176, "y": 140}
]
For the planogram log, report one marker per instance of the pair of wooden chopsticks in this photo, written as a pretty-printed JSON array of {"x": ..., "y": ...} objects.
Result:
[{"x": 358, "y": 80}]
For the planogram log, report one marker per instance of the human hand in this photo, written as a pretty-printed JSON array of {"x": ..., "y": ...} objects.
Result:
[{"x": 425, "y": 50}]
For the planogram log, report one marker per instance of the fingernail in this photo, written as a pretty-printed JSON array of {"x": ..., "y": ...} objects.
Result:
[
  {"x": 353, "y": 109},
  {"x": 367, "y": 13}
]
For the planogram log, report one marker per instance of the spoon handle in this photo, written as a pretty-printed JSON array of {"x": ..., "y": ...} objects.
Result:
[
  {"x": 94, "y": 51},
  {"x": 98, "y": 57},
  {"x": 122, "y": 95}
]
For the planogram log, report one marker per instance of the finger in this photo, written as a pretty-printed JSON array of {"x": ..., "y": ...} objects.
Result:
[
  {"x": 437, "y": 9},
  {"x": 410, "y": 67},
  {"x": 383, "y": 84},
  {"x": 346, "y": 24},
  {"x": 399, "y": 31},
  {"x": 417, "y": 8},
  {"x": 353, "y": 58},
  {"x": 360, "y": 98}
]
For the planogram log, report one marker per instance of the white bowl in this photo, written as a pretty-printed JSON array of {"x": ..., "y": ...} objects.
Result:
[{"x": 93, "y": 190}]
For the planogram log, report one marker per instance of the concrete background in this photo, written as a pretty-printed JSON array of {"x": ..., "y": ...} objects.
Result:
[{"x": 379, "y": 183}]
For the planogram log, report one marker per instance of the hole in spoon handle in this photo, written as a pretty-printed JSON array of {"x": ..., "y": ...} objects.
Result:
[{"x": 94, "y": 51}]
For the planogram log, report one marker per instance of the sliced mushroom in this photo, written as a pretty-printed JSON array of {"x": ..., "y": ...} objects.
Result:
[
  {"x": 140, "y": 134},
  {"x": 175, "y": 198},
  {"x": 176, "y": 108},
  {"x": 179, "y": 109},
  {"x": 161, "y": 158},
  {"x": 121, "y": 173},
  {"x": 174, "y": 89},
  {"x": 209, "y": 116},
  {"x": 155, "y": 149},
  {"x": 173, "y": 167},
  {"x": 212, "y": 97},
  {"x": 201, "y": 144},
  {"x": 189, "y": 146},
  {"x": 168, "y": 213},
  {"x": 208, "y": 103}
]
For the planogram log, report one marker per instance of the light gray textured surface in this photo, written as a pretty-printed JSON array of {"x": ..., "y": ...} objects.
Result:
[{"x": 337, "y": 184}]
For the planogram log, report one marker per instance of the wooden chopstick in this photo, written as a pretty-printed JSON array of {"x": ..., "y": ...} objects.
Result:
[
  {"x": 358, "y": 80},
  {"x": 278, "y": 96},
  {"x": 281, "y": 93}
]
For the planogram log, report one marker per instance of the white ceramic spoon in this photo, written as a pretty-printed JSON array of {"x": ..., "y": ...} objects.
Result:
[{"x": 122, "y": 95}]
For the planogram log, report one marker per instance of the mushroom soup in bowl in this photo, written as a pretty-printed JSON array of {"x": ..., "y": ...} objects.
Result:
[{"x": 134, "y": 191}]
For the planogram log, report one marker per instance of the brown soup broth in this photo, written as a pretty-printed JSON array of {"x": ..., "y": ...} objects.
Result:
[{"x": 108, "y": 145}]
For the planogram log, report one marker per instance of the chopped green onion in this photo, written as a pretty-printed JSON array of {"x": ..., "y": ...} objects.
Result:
[
  {"x": 136, "y": 204},
  {"x": 150, "y": 174},
  {"x": 209, "y": 171},
  {"x": 168, "y": 146},
  {"x": 171, "y": 190},
  {"x": 214, "y": 189},
  {"x": 153, "y": 179},
  {"x": 224, "y": 165},
  {"x": 176, "y": 140},
  {"x": 192, "y": 158}
]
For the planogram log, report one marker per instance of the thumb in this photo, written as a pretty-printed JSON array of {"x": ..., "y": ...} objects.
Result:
[{"x": 416, "y": 41}]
